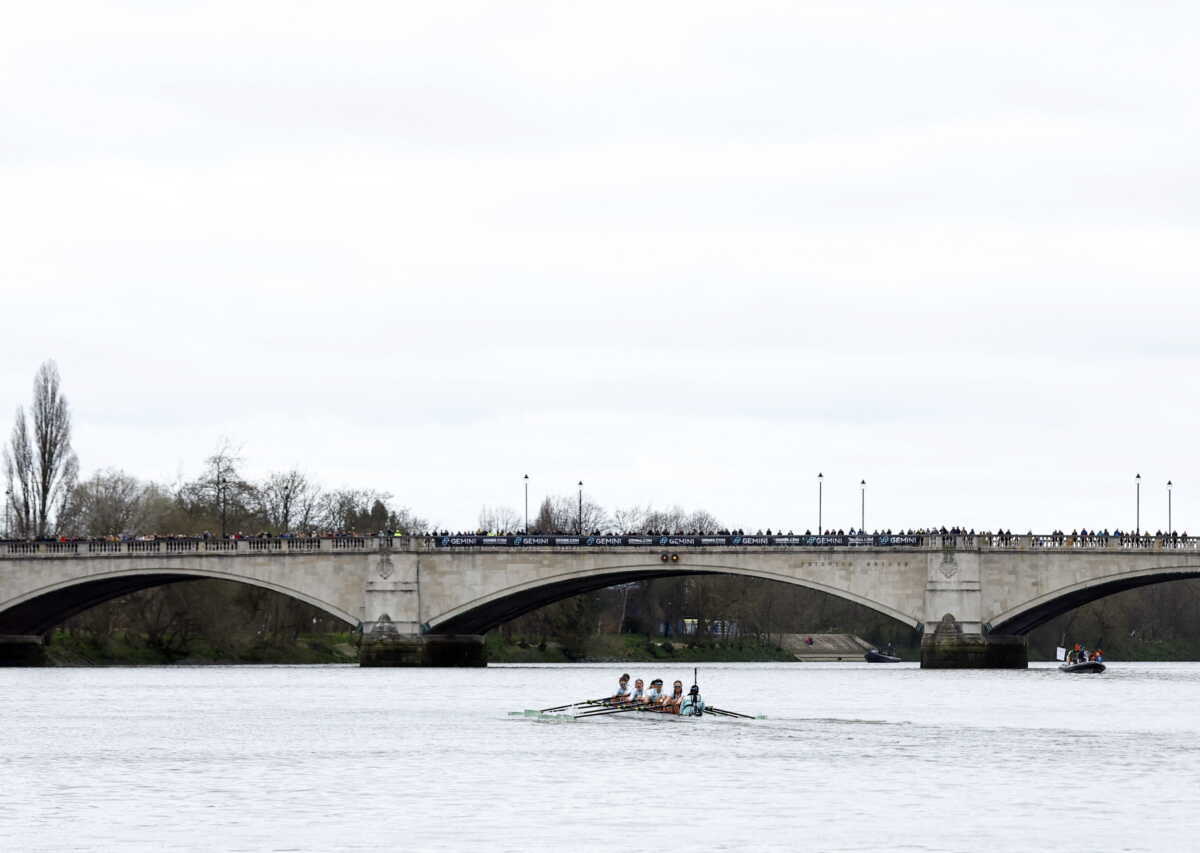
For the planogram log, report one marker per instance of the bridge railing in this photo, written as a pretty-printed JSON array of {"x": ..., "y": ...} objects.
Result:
[{"x": 182, "y": 546}]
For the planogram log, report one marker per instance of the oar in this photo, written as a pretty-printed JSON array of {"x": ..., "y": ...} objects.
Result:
[
  {"x": 573, "y": 705},
  {"x": 611, "y": 709},
  {"x": 708, "y": 708},
  {"x": 606, "y": 711}
]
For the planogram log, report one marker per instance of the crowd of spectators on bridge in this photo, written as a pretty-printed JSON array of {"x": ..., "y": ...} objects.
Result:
[{"x": 1080, "y": 538}]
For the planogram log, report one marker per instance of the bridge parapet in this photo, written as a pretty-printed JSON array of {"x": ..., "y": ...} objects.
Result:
[
  {"x": 21, "y": 549},
  {"x": 199, "y": 546}
]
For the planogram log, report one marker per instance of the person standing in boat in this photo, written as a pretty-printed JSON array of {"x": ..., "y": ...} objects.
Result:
[
  {"x": 622, "y": 694},
  {"x": 692, "y": 705}
]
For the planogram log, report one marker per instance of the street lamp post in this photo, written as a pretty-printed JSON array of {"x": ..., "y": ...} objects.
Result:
[
  {"x": 1137, "y": 530},
  {"x": 1170, "y": 527},
  {"x": 221, "y": 497},
  {"x": 862, "y": 521},
  {"x": 581, "y": 507},
  {"x": 8, "y": 513},
  {"x": 820, "y": 498},
  {"x": 526, "y": 504}
]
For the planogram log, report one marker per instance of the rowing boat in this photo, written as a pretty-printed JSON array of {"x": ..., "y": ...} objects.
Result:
[
  {"x": 690, "y": 706},
  {"x": 603, "y": 708}
]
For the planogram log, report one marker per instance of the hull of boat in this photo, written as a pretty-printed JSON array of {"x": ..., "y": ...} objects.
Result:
[
  {"x": 879, "y": 657},
  {"x": 1090, "y": 666}
]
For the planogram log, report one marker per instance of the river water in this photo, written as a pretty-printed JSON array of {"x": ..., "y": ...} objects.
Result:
[{"x": 853, "y": 757}]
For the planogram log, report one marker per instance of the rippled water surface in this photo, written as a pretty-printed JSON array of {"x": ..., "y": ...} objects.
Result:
[{"x": 853, "y": 757}]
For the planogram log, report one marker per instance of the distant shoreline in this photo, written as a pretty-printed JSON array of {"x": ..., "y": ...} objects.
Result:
[{"x": 125, "y": 650}]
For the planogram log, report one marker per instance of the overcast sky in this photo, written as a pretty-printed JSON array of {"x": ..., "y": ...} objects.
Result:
[{"x": 689, "y": 253}]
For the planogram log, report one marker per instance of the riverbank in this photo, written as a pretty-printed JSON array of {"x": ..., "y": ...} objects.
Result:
[
  {"x": 126, "y": 649},
  {"x": 130, "y": 649},
  {"x": 632, "y": 648}
]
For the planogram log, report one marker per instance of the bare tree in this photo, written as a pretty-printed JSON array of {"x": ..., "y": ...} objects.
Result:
[
  {"x": 220, "y": 497},
  {"x": 18, "y": 475},
  {"x": 405, "y": 521},
  {"x": 108, "y": 503},
  {"x": 287, "y": 500},
  {"x": 353, "y": 509},
  {"x": 561, "y": 513},
  {"x": 499, "y": 519},
  {"x": 630, "y": 519},
  {"x": 40, "y": 466},
  {"x": 702, "y": 521}
]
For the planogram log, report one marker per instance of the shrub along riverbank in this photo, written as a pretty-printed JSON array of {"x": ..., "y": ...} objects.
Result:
[
  {"x": 631, "y": 648},
  {"x": 129, "y": 649}
]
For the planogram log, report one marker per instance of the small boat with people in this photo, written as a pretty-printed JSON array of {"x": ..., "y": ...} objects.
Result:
[
  {"x": 1080, "y": 660},
  {"x": 888, "y": 656},
  {"x": 637, "y": 699}
]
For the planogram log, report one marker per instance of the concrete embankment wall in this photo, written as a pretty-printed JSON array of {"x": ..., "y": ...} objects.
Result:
[{"x": 825, "y": 647}]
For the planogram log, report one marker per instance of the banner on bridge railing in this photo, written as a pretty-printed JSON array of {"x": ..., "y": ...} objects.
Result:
[{"x": 883, "y": 541}]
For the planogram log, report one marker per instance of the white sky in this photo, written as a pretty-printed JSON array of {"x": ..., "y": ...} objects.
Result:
[{"x": 688, "y": 252}]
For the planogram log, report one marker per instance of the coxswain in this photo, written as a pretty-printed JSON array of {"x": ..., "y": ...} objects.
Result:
[
  {"x": 622, "y": 694},
  {"x": 692, "y": 705},
  {"x": 672, "y": 703}
]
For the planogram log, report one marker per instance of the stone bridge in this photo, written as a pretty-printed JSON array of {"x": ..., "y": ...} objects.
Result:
[{"x": 429, "y": 600}]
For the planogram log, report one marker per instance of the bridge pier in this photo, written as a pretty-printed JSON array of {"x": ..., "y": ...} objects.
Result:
[
  {"x": 958, "y": 639},
  {"x": 22, "y": 650},
  {"x": 395, "y": 650},
  {"x": 949, "y": 647}
]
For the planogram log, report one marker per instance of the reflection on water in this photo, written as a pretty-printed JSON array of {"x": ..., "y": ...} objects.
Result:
[{"x": 853, "y": 757}]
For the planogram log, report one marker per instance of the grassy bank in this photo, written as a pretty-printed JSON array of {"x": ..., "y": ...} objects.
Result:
[
  {"x": 127, "y": 649},
  {"x": 629, "y": 647}
]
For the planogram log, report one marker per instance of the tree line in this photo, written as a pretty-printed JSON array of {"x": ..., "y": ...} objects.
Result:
[{"x": 46, "y": 498}]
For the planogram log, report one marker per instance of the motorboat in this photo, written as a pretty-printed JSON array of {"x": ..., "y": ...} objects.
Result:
[
  {"x": 1083, "y": 666},
  {"x": 876, "y": 656}
]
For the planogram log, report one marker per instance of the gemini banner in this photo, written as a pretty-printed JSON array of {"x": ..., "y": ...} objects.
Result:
[{"x": 884, "y": 541}]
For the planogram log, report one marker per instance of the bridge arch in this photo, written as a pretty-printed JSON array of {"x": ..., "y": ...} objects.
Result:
[
  {"x": 40, "y": 609},
  {"x": 1038, "y": 611},
  {"x": 488, "y": 611}
]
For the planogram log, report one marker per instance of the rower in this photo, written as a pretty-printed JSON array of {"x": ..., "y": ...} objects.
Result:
[
  {"x": 622, "y": 694},
  {"x": 692, "y": 705},
  {"x": 655, "y": 695},
  {"x": 638, "y": 692},
  {"x": 675, "y": 698}
]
